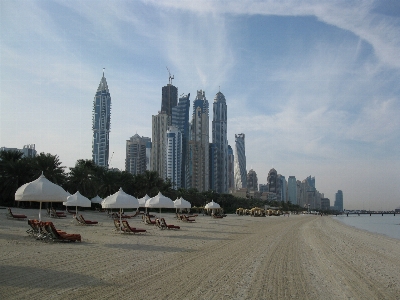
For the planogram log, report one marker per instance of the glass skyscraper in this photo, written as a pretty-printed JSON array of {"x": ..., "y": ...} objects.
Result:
[
  {"x": 101, "y": 124},
  {"x": 240, "y": 162}
]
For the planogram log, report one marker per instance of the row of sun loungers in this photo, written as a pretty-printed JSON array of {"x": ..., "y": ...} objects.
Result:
[
  {"x": 46, "y": 231},
  {"x": 185, "y": 218}
]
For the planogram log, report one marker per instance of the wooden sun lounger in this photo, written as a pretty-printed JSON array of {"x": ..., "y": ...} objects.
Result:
[
  {"x": 163, "y": 223},
  {"x": 129, "y": 229},
  {"x": 10, "y": 215},
  {"x": 60, "y": 236},
  {"x": 87, "y": 222},
  {"x": 57, "y": 214},
  {"x": 149, "y": 221},
  {"x": 187, "y": 219}
]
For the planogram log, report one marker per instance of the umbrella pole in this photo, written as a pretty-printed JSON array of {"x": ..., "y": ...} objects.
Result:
[
  {"x": 76, "y": 211},
  {"x": 120, "y": 219},
  {"x": 40, "y": 210}
]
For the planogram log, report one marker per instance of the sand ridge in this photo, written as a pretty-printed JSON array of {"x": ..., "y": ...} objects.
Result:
[{"x": 238, "y": 257}]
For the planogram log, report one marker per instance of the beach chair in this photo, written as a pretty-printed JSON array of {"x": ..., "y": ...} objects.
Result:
[
  {"x": 10, "y": 215},
  {"x": 60, "y": 236},
  {"x": 117, "y": 225},
  {"x": 35, "y": 228},
  {"x": 149, "y": 221},
  {"x": 129, "y": 229},
  {"x": 57, "y": 214},
  {"x": 87, "y": 222},
  {"x": 159, "y": 225},
  {"x": 163, "y": 223},
  {"x": 187, "y": 219}
]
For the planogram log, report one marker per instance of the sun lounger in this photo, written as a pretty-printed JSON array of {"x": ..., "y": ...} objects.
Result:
[
  {"x": 60, "y": 236},
  {"x": 87, "y": 222},
  {"x": 10, "y": 215},
  {"x": 35, "y": 228},
  {"x": 129, "y": 229},
  {"x": 118, "y": 226},
  {"x": 159, "y": 225},
  {"x": 57, "y": 214},
  {"x": 187, "y": 219},
  {"x": 163, "y": 223},
  {"x": 149, "y": 221}
]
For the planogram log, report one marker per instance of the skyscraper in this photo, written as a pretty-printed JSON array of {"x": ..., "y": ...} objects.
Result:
[
  {"x": 199, "y": 143},
  {"x": 158, "y": 150},
  {"x": 231, "y": 168},
  {"x": 174, "y": 156},
  {"x": 136, "y": 158},
  {"x": 180, "y": 119},
  {"x": 292, "y": 189},
  {"x": 101, "y": 124},
  {"x": 240, "y": 162},
  {"x": 252, "y": 181},
  {"x": 272, "y": 181},
  {"x": 169, "y": 98},
  {"x": 339, "y": 200},
  {"x": 220, "y": 140}
]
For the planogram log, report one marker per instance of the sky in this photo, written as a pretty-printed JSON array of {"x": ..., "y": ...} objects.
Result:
[{"x": 313, "y": 85}]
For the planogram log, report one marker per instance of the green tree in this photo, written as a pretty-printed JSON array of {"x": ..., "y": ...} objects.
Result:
[{"x": 50, "y": 166}]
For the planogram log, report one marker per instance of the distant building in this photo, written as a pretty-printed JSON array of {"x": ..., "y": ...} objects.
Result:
[
  {"x": 339, "y": 200},
  {"x": 240, "y": 162},
  {"x": 136, "y": 154},
  {"x": 169, "y": 99},
  {"x": 231, "y": 168},
  {"x": 212, "y": 168},
  {"x": 252, "y": 181},
  {"x": 311, "y": 181},
  {"x": 158, "y": 149},
  {"x": 325, "y": 204},
  {"x": 27, "y": 150},
  {"x": 220, "y": 141},
  {"x": 263, "y": 188},
  {"x": 101, "y": 124},
  {"x": 199, "y": 144},
  {"x": 292, "y": 189},
  {"x": 148, "y": 155},
  {"x": 180, "y": 119},
  {"x": 174, "y": 156},
  {"x": 272, "y": 180}
]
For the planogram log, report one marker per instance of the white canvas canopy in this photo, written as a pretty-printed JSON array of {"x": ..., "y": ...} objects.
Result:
[
  {"x": 96, "y": 199},
  {"x": 142, "y": 201},
  {"x": 160, "y": 201},
  {"x": 212, "y": 205},
  {"x": 77, "y": 200},
  {"x": 120, "y": 200},
  {"x": 41, "y": 190},
  {"x": 182, "y": 203}
]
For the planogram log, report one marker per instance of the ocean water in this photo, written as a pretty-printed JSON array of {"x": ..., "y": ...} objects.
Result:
[{"x": 387, "y": 224}]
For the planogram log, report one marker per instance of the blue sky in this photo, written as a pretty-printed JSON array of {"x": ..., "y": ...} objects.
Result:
[{"x": 314, "y": 85}]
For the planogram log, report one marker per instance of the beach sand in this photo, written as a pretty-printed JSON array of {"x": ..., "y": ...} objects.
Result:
[{"x": 237, "y": 257}]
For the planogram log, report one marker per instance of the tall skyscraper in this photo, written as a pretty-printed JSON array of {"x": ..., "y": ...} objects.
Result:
[
  {"x": 252, "y": 181},
  {"x": 240, "y": 162},
  {"x": 174, "y": 156},
  {"x": 180, "y": 119},
  {"x": 136, "y": 158},
  {"x": 101, "y": 124},
  {"x": 339, "y": 200},
  {"x": 212, "y": 168},
  {"x": 220, "y": 140},
  {"x": 272, "y": 181},
  {"x": 169, "y": 98},
  {"x": 158, "y": 150},
  {"x": 199, "y": 143},
  {"x": 231, "y": 168},
  {"x": 292, "y": 189}
]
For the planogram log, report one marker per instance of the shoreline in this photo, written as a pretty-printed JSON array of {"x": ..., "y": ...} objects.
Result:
[{"x": 237, "y": 257}]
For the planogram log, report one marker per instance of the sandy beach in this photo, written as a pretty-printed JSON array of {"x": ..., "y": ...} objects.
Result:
[{"x": 238, "y": 257}]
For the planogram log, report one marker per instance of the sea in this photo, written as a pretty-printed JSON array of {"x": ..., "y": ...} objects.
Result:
[{"x": 388, "y": 224}]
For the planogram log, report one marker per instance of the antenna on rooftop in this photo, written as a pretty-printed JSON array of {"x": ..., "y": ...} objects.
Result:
[
  {"x": 103, "y": 71},
  {"x": 170, "y": 77}
]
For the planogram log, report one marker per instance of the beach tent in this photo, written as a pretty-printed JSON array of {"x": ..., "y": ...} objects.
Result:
[
  {"x": 160, "y": 201},
  {"x": 212, "y": 205},
  {"x": 142, "y": 201},
  {"x": 120, "y": 200},
  {"x": 41, "y": 190},
  {"x": 96, "y": 199},
  {"x": 181, "y": 203},
  {"x": 77, "y": 200}
]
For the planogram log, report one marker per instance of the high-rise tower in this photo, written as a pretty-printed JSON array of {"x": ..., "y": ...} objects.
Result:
[
  {"x": 339, "y": 200},
  {"x": 240, "y": 162},
  {"x": 101, "y": 124},
  {"x": 169, "y": 98},
  {"x": 220, "y": 141},
  {"x": 159, "y": 144},
  {"x": 173, "y": 157},
  {"x": 199, "y": 144},
  {"x": 136, "y": 158}
]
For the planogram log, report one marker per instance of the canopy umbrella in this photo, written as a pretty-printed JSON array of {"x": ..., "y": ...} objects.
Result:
[
  {"x": 77, "y": 200},
  {"x": 212, "y": 205},
  {"x": 41, "y": 190},
  {"x": 181, "y": 203},
  {"x": 96, "y": 199},
  {"x": 142, "y": 201},
  {"x": 120, "y": 200},
  {"x": 160, "y": 201}
]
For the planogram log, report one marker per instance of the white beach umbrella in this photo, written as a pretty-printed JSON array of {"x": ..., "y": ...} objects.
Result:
[
  {"x": 41, "y": 190},
  {"x": 181, "y": 203},
  {"x": 212, "y": 205},
  {"x": 120, "y": 200},
  {"x": 142, "y": 201},
  {"x": 77, "y": 200},
  {"x": 96, "y": 199},
  {"x": 160, "y": 201}
]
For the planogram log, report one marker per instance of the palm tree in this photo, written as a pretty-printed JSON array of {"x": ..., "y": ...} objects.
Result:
[
  {"x": 83, "y": 178},
  {"x": 50, "y": 166}
]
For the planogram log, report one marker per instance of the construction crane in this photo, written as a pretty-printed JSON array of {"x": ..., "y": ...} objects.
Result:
[{"x": 170, "y": 77}]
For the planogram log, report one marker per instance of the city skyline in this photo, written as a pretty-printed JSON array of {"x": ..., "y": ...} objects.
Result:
[{"x": 313, "y": 86}]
